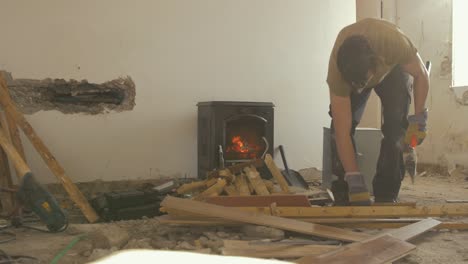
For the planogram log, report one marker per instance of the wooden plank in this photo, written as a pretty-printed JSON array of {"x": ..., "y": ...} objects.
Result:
[
  {"x": 272, "y": 250},
  {"x": 456, "y": 201},
  {"x": 383, "y": 248},
  {"x": 376, "y": 250},
  {"x": 73, "y": 191},
  {"x": 260, "y": 200},
  {"x": 444, "y": 210},
  {"x": 13, "y": 131},
  {"x": 345, "y": 222},
  {"x": 20, "y": 165},
  {"x": 257, "y": 183},
  {"x": 412, "y": 204},
  {"x": 453, "y": 226},
  {"x": 393, "y": 225},
  {"x": 410, "y": 231},
  {"x": 7, "y": 199},
  {"x": 179, "y": 214},
  {"x": 260, "y": 219},
  {"x": 341, "y": 223},
  {"x": 276, "y": 173}
]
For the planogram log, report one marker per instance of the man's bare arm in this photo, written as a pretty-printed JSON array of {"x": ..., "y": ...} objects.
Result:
[
  {"x": 342, "y": 121},
  {"x": 417, "y": 69}
]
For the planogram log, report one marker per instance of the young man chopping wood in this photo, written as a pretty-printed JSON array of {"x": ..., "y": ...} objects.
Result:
[{"x": 375, "y": 54}]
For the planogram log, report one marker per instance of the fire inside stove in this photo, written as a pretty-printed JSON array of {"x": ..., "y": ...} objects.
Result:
[
  {"x": 240, "y": 148},
  {"x": 244, "y": 139}
]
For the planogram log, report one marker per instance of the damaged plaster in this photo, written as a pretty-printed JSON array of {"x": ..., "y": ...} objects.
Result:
[
  {"x": 461, "y": 94},
  {"x": 456, "y": 149},
  {"x": 70, "y": 97},
  {"x": 446, "y": 67}
]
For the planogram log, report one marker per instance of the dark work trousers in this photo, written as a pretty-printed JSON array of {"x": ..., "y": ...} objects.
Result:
[{"x": 395, "y": 94}]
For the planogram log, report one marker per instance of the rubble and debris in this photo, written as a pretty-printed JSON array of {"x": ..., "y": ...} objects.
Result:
[
  {"x": 100, "y": 253},
  {"x": 144, "y": 243},
  {"x": 109, "y": 236},
  {"x": 260, "y": 232}
]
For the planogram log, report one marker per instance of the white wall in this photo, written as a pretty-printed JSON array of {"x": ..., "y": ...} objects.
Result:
[
  {"x": 178, "y": 53},
  {"x": 428, "y": 24},
  {"x": 460, "y": 42}
]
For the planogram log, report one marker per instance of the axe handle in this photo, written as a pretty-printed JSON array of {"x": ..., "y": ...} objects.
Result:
[{"x": 21, "y": 167}]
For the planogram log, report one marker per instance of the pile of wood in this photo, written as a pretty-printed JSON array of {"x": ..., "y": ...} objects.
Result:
[
  {"x": 237, "y": 196},
  {"x": 382, "y": 248},
  {"x": 244, "y": 179}
]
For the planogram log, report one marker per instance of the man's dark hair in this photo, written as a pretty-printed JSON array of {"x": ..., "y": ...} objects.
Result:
[{"x": 355, "y": 58}]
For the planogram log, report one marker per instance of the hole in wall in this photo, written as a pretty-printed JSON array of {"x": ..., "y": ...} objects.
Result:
[{"x": 70, "y": 97}]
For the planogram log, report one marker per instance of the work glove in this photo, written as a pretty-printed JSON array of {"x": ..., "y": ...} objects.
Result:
[
  {"x": 358, "y": 192},
  {"x": 416, "y": 132}
]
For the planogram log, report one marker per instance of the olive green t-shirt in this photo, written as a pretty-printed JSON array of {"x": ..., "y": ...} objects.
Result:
[{"x": 388, "y": 42}]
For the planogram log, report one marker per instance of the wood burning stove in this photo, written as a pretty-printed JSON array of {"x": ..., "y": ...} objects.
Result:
[{"x": 233, "y": 132}]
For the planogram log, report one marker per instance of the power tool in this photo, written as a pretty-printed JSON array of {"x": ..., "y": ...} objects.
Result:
[
  {"x": 412, "y": 159},
  {"x": 33, "y": 195}
]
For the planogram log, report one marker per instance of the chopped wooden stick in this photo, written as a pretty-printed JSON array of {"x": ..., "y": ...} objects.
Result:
[
  {"x": 270, "y": 186},
  {"x": 236, "y": 169},
  {"x": 276, "y": 173},
  {"x": 256, "y": 181},
  {"x": 210, "y": 182},
  {"x": 231, "y": 190},
  {"x": 241, "y": 185},
  {"x": 226, "y": 174},
  {"x": 189, "y": 187},
  {"x": 249, "y": 184},
  {"x": 214, "y": 190}
]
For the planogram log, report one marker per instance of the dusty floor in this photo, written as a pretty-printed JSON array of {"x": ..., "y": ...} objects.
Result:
[
  {"x": 101, "y": 239},
  {"x": 442, "y": 246}
]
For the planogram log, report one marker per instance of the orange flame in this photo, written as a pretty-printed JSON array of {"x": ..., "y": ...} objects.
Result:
[
  {"x": 239, "y": 145},
  {"x": 242, "y": 148}
]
